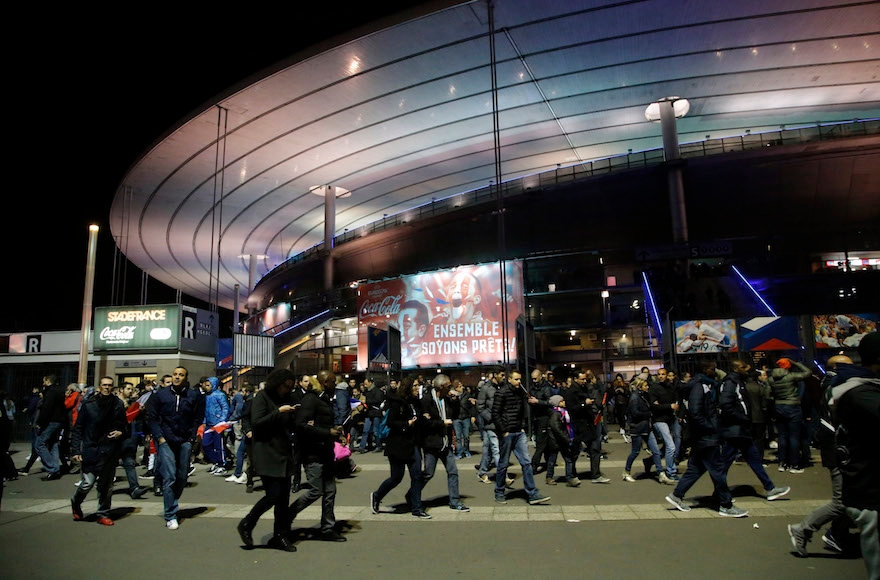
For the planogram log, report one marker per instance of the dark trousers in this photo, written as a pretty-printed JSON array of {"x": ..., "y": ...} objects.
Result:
[
  {"x": 701, "y": 460},
  {"x": 278, "y": 496},
  {"x": 541, "y": 426}
]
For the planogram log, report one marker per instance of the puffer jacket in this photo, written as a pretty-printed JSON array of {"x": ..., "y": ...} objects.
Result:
[
  {"x": 736, "y": 408},
  {"x": 784, "y": 383},
  {"x": 703, "y": 412},
  {"x": 509, "y": 409}
]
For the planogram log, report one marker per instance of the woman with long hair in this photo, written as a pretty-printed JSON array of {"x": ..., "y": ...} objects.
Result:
[
  {"x": 272, "y": 422},
  {"x": 640, "y": 428},
  {"x": 400, "y": 448}
]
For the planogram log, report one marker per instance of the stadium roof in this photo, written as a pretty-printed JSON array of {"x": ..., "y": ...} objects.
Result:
[{"x": 403, "y": 113}]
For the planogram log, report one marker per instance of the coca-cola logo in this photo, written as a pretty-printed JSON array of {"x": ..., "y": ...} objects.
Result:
[
  {"x": 387, "y": 306},
  {"x": 121, "y": 334}
]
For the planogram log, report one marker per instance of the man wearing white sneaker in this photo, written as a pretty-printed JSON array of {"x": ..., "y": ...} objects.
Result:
[
  {"x": 174, "y": 415},
  {"x": 706, "y": 445},
  {"x": 736, "y": 427}
]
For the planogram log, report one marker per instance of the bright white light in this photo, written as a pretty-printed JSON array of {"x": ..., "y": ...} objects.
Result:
[{"x": 679, "y": 106}]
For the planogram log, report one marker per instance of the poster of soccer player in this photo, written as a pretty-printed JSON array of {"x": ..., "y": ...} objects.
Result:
[
  {"x": 446, "y": 317},
  {"x": 696, "y": 336}
]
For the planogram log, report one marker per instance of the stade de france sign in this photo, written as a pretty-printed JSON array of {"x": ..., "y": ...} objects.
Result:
[{"x": 137, "y": 327}]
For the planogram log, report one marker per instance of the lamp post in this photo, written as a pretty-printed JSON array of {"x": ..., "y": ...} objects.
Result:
[{"x": 87, "y": 306}]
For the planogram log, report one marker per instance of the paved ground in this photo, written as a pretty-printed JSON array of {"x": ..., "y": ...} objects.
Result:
[{"x": 618, "y": 530}]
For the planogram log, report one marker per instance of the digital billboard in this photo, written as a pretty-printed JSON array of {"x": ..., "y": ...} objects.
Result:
[
  {"x": 137, "y": 327},
  {"x": 696, "y": 336},
  {"x": 447, "y": 317},
  {"x": 842, "y": 330}
]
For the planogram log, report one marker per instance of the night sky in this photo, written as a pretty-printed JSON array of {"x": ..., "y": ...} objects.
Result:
[{"x": 87, "y": 95}]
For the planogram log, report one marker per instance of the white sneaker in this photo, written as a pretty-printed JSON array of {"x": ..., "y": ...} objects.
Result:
[
  {"x": 231, "y": 478},
  {"x": 172, "y": 524},
  {"x": 240, "y": 479}
]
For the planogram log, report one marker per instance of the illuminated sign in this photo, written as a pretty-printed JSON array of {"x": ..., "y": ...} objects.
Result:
[
  {"x": 137, "y": 327},
  {"x": 446, "y": 317}
]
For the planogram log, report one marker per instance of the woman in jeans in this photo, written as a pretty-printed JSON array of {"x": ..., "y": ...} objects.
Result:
[
  {"x": 640, "y": 428},
  {"x": 400, "y": 448}
]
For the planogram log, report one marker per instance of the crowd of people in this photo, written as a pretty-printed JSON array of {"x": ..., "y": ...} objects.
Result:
[{"x": 309, "y": 425}]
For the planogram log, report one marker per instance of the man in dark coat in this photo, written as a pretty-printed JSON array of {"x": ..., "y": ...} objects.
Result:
[
  {"x": 96, "y": 443},
  {"x": 174, "y": 415},
  {"x": 52, "y": 420},
  {"x": 706, "y": 445},
  {"x": 736, "y": 427},
  {"x": 315, "y": 435}
]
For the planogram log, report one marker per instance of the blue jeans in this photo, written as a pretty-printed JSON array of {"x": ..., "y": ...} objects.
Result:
[
  {"x": 518, "y": 443},
  {"x": 665, "y": 433},
  {"x": 129, "y": 449},
  {"x": 371, "y": 424},
  {"x": 322, "y": 484},
  {"x": 47, "y": 447},
  {"x": 239, "y": 456},
  {"x": 637, "y": 448},
  {"x": 490, "y": 452},
  {"x": 448, "y": 459},
  {"x": 105, "y": 490},
  {"x": 746, "y": 447},
  {"x": 414, "y": 495},
  {"x": 462, "y": 436},
  {"x": 789, "y": 421},
  {"x": 173, "y": 464},
  {"x": 703, "y": 459}
]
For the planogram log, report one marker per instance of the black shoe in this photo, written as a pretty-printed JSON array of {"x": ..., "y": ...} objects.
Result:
[
  {"x": 296, "y": 487},
  {"x": 244, "y": 532},
  {"x": 281, "y": 543},
  {"x": 331, "y": 536},
  {"x": 148, "y": 474},
  {"x": 139, "y": 492},
  {"x": 249, "y": 489},
  {"x": 158, "y": 492},
  {"x": 52, "y": 476}
]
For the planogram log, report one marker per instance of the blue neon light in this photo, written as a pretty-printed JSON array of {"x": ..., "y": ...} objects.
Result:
[
  {"x": 754, "y": 291},
  {"x": 653, "y": 304}
]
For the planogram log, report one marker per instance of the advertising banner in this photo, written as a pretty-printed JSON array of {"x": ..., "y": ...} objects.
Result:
[
  {"x": 764, "y": 333},
  {"x": 842, "y": 330},
  {"x": 696, "y": 336},
  {"x": 447, "y": 317},
  {"x": 154, "y": 327}
]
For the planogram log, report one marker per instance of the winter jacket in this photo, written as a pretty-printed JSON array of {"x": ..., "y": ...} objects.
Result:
[
  {"x": 662, "y": 396},
  {"x": 271, "y": 449},
  {"x": 855, "y": 407},
  {"x": 52, "y": 409},
  {"x": 401, "y": 442},
  {"x": 736, "y": 408},
  {"x": 176, "y": 413},
  {"x": 703, "y": 412},
  {"x": 485, "y": 399},
  {"x": 314, "y": 441},
  {"x": 509, "y": 409},
  {"x": 639, "y": 413},
  {"x": 434, "y": 434},
  {"x": 216, "y": 407},
  {"x": 784, "y": 383},
  {"x": 97, "y": 417}
]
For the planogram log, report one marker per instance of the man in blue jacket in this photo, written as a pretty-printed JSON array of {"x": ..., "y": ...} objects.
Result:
[
  {"x": 174, "y": 415},
  {"x": 216, "y": 412},
  {"x": 706, "y": 445}
]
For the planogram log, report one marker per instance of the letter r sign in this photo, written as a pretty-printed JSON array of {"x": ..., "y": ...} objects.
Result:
[{"x": 32, "y": 343}]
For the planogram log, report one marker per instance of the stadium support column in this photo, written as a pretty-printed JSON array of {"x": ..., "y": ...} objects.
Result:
[
  {"x": 665, "y": 111},
  {"x": 329, "y": 231}
]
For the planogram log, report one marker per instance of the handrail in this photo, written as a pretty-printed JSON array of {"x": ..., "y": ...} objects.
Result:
[{"x": 587, "y": 169}]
